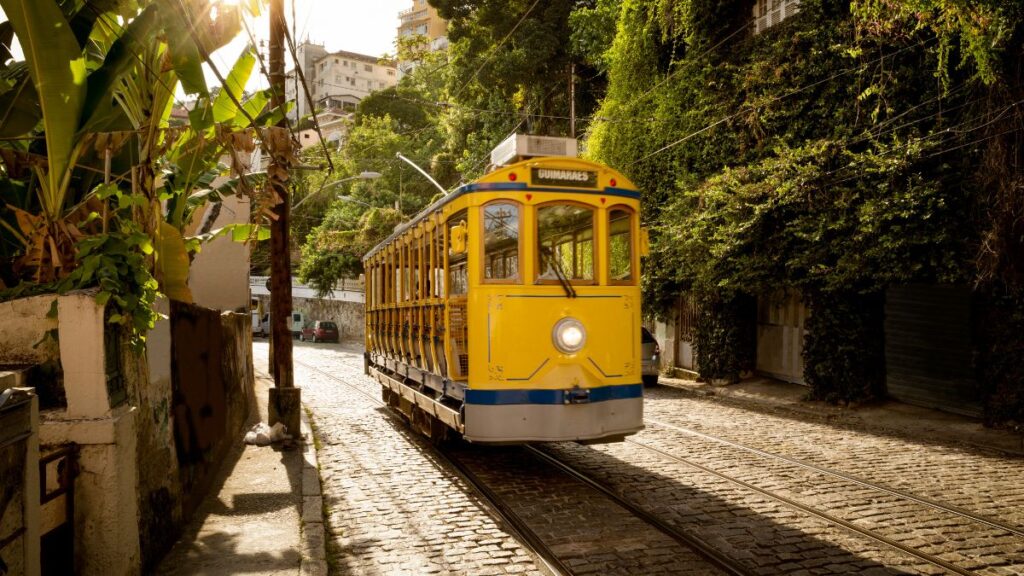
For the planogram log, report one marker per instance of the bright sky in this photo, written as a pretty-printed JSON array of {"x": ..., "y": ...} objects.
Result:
[{"x": 364, "y": 26}]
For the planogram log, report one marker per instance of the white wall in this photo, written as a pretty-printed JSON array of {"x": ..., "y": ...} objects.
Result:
[{"x": 219, "y": 276}]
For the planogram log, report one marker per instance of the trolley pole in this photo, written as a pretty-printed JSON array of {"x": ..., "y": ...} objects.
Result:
[{"x": 285, "y": 399}]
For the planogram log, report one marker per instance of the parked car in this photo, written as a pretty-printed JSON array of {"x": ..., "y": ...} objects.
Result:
[
  {"x": 320, "y": 331},
  {"x": 650, "y": 353},
  {"x": 295, "y": 324}
]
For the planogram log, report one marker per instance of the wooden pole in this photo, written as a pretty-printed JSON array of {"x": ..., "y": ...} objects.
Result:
[{"x": 285, "y": 403}]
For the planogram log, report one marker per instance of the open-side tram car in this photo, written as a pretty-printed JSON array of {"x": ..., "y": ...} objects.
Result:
[{"x": 509, "y": 310}]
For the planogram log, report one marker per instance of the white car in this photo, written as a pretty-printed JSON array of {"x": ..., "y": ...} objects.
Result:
[{"x": 650, "y": 357}]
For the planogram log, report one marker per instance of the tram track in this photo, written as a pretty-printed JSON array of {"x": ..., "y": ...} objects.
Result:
[
  {"x": 520, "y": 529},
  {"x": 922, "y": 500},
  {"x": 794, "y": 504},
  {"x": 716, "y": 557}
]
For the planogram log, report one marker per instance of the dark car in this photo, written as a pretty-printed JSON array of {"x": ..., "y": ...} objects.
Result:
[
  {"x": 651, "y": 357},
  {"x": 319, "y": 331}
]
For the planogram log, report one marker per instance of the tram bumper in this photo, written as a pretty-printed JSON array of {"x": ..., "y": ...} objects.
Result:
[{"x": 510, "y": 416}]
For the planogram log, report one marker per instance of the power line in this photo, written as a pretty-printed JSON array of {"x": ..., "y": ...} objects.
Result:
[
  {"x": 495, "y": 48},
  {"x": 780, "y": 97}
]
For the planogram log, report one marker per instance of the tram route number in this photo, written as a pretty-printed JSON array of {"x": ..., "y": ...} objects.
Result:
[{"x": 555, "y": 177}]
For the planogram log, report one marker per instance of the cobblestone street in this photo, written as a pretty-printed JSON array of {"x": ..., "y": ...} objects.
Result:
[{"x": 774, "y": 493}]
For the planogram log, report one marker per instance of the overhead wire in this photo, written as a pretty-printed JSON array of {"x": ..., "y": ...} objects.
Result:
[
  {"x": 494, "y": 49},
  {"x": 301, "y": 79},
  {"x": 778, "y": 98}
]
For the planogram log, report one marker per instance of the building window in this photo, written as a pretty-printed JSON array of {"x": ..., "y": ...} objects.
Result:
[
  {"x": 368, "y": 67},
  {"x": 768, "y": 13},
  {"x": 391, "y": 72}
]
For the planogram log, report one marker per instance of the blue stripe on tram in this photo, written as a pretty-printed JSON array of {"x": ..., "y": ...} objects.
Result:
[{"x": 599, "y": 394}]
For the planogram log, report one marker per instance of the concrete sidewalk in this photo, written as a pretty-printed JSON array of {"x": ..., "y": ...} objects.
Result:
[
  {"x": 890, "y": 415},
  {"x": 263, "y": 514}
]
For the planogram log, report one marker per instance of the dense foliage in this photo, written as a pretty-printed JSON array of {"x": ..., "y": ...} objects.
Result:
[
  {"x": 341, "y": 222},
  {"x": 848, "y": 148},
  {"x": 96, "y": 186},
  {"x": 851, "y": 147}
]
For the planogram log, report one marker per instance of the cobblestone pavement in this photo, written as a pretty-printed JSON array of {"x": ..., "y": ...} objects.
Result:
[
  {"x": 588, "y": 532},
  {"x": 390, "y": 506},
  {"x": 982, "y": 482},
  {"x": 395, "y": 506}
]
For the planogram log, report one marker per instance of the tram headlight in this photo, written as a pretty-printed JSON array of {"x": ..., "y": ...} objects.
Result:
[{"x": 569, "y": 335}]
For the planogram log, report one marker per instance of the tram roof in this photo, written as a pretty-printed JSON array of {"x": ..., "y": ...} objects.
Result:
[{"x": 499, "y": 180}]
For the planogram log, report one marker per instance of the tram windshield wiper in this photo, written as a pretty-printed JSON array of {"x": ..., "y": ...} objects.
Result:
[{"x": 556, "y": 266}]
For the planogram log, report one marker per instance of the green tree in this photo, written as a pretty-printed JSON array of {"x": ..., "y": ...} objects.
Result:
[
  {"x": 839, "y": 152},
  {"x": 335, "y": 233}
]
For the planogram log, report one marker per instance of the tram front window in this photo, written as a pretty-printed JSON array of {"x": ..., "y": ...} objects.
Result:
[
  {"x": 501, "y": 241},
  {"x": 565, "y": 238}
]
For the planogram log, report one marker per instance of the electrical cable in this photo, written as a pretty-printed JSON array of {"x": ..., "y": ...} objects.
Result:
[
  {"x": 495, "y": 48},
  {"x": 778, "y": 98}
]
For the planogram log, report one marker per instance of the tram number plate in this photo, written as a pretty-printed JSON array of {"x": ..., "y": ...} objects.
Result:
[{"x": 557, "y": 177}]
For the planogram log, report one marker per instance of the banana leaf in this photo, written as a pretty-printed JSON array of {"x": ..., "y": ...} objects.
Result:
[
  {"x": 122, "y": 58},
  {"x": 224, "y": 108},
  {"x": 19, "y": 103},
  {"x": 58, "y": 71},
  {"x": 172, "y": 264}
]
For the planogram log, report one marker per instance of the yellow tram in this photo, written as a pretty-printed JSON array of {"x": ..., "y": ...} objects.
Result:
[{"x": 509, "y": 310}]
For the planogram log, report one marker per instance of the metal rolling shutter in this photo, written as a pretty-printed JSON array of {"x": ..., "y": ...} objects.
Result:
[{"x": 928, "y": 348}]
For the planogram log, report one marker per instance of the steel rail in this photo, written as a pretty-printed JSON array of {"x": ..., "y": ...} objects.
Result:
[
  {"x": 814, "y": 512},
  {"x": 521, "y": 530},
  {"x": 709, "y": 552},
  {"x": 955, "y": 510},
  {"x": 508, "y": 515}
]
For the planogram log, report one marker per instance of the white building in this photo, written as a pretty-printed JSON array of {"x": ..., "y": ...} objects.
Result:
[
  {"x": 422, "y": 19},
  {"x": 338, "y": 80}
]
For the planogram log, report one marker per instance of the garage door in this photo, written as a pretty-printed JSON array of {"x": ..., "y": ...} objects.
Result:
[{"x": 928, "y": 348}]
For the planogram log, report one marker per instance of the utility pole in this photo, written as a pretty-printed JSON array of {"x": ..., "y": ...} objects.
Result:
[
  {"x": 285, "y": 399},
  {"x": 572, "y": 100}
]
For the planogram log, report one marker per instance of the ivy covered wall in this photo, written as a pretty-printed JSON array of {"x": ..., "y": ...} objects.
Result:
[{"x": 852, "y": 147}]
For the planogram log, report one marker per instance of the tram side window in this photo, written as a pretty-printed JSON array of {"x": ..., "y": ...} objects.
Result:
[
  {"x": 620, "y": 245},
  {"x": 458, "y": 280},
  {"x": 501, "y": 241},
  {"x": 565, "y": 237}
]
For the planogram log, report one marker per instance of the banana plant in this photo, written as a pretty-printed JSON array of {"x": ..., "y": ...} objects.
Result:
[{"x": 93, "y": 66}]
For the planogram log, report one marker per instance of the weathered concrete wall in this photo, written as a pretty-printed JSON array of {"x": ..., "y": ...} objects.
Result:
[
  {"x": 349, "y": 316},
  {"x": 212, "y": 384},
  {"x": 154, "y": 425},
  {"x": 28, "y": 340},
  {"x": 237, "y": 371},
  {"x": 160, "y": 513},
  {"x": 28, "y": 331},
  {"x": 105, "y": 429}
]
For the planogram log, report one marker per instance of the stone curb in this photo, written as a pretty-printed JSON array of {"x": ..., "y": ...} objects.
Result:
[{"x": 314, "y": 551}]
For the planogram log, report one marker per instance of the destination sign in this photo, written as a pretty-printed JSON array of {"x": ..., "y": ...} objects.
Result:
[{"x": 557, "y": 177}]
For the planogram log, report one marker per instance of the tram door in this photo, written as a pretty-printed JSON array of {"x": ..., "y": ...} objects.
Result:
[{"x": 458, "y": 312}]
